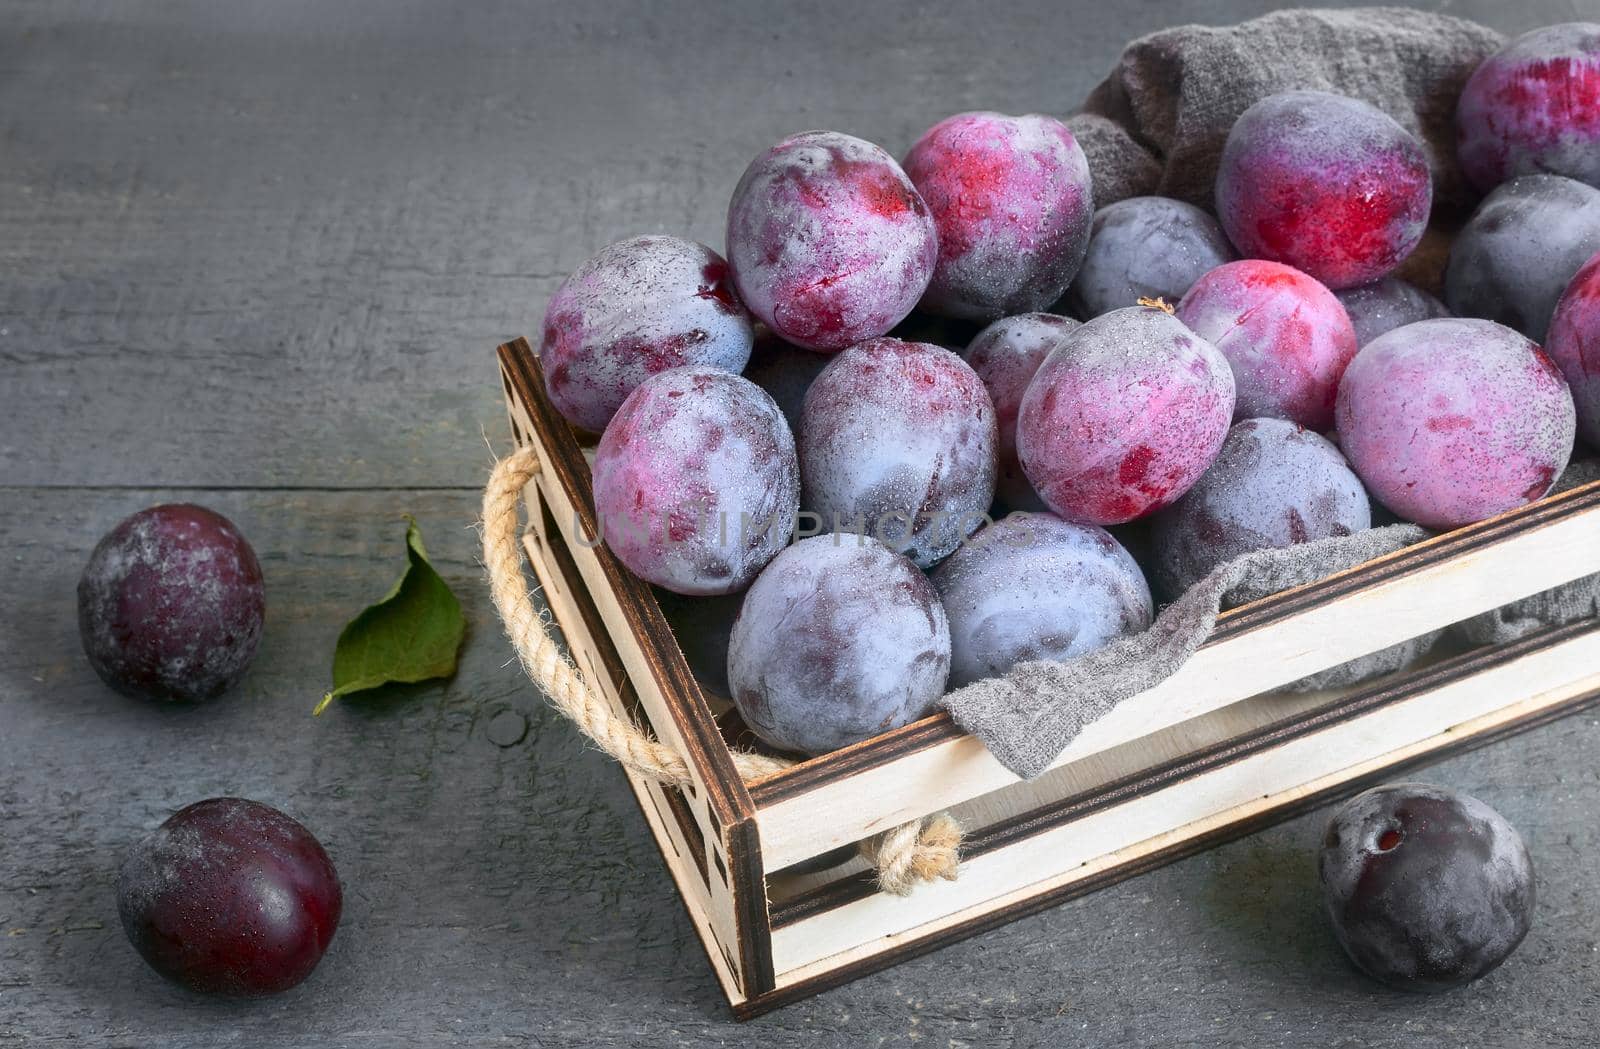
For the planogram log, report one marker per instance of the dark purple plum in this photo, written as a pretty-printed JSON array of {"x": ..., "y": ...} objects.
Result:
[
  {"x": 1012, "y": 201},
  {"x": 1032, "y": 586},
  {"x": 829, "y": 241},
  {"x": 702, "y": 626},
  {"x": 637, "y": 308},
  {"x": 1274, "y": 484},
  {"x": 696, "y": 485},
  {"x": 1427, "y": 889},
  {"x": 1146, "y": 248},
  {"x": 1325, "y": 183},
  {"x": 230, "y": 897},
  {"x": 838, "y": 639},
  {"x": 1382, "y": 306},
  {"x": 1574, "y": 344},
  {"x": 1515, "y": 256},
  {"x": 1452, "y": 421},
  {"x": 1005, "y": 356},
  {"x": 786, "y": 372},
  {"x": 1534, "y": 107},
  {"x": 898, "y": 441},
  {"x": 1286, "y": 338},
  {"x": 171, "y": 603},
  {"x": 1123, "y": 416}
]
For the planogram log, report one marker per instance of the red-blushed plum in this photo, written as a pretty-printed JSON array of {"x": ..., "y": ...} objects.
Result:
[
  {"x": 1032, "y": 586},
  {"x": 1123, "y": 416},
  {"x": 1286, "y": 337},
  {"x": 898, "y": 440},
  {"x": 1146, "y": 248},
  {"x": 1534, "y": 108},
  {"x": 1427, "y": 889},
  {"x": 230, "y": 897},
  {"x": 696, "y": 485},
  {"x": 638, "y": 308},
  {"x": 171, "y": 603},
  {"x": 1452, "y": 421},
  {"x": 1274, "y": 484},
  {"x": 1515, "y": 256},
  {"x": 829, "y": 242},
  {"x": 1385, "y": 305},
  {"x": 1012, "y": 201},
  {"x": 1006, "y": 355},
  {"x": 1326, "y": 183},
  {"x": 838, "y": 639},
  {"x": 1574, "y": 344},
  {"x": 785, "y": 371}
]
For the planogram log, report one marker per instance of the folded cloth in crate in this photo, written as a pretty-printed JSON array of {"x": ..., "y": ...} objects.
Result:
[{"x": 1158, "y": 122}]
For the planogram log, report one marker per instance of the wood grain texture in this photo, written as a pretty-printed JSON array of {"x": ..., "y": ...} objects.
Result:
[{"x": 273, "y": 246}]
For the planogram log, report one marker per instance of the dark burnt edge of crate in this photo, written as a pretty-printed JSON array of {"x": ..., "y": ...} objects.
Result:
[
  {"x": 918, "y": 946},
  {"x": 728, "y": 800},
  {"x": 939, "y": 728},
  {"x": 1219, "y": 755}
]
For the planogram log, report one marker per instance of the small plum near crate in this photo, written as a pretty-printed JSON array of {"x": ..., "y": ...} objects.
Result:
[{"x": 1209, "y": 754}]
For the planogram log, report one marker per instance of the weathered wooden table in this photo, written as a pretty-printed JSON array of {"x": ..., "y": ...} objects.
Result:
[{"x": 258, "y": 256}]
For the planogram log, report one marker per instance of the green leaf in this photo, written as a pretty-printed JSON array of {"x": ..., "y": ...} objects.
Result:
[{"x": 412, "y": 634}]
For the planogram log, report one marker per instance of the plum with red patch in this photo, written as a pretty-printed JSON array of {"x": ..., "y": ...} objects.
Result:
[
  {"x": 1325, "y": 183},
  {"x": 1286, "y": 336},
  {"x": 1574, "y": 344},
  {"x": 838, "y": 639},
  {"x": 1385, "y": 305},
  {"x": 1274, "y": 484},
  {"x": 898, "y": 440},
  {"x": 1516, "y": 255},
  {"x": 1123, "y": 416},
  {"x": 171, "y": 604},
  {"x": 1005, "y": 355},
  {"x": 1012, "y": 201},
  {"x": 637, "y": 308},
  {"x": 1452, "y": 421},
  {"x": 696, "y": 485},
  {"x": 230, "y": 897},
  {"x": 1146, "y": 248},
  {"x": 1533, "y": 107},
  {"x": 1032, "y": 586},
  {"x": 829, "y": 241}
]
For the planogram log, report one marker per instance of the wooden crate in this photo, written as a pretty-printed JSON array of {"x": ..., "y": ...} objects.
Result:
[{"x": 1206, "y": 756}]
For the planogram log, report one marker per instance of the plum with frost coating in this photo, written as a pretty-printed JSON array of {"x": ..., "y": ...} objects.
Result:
[
  {"x": 171, "y": 603},
  {"x": 696, "y": 485},
  {"x": 838, "y": 639},
  {"x": 1032, "y": 586},
  {"x": 1146, "y": 248},
  {"x": 829, "y": 242},
  {"x": 1384, "y": 305},
  {"x": 638, "y": 308},
  {"x": 1005, "y": 355},
  {"x": 1012, "y": 202}
]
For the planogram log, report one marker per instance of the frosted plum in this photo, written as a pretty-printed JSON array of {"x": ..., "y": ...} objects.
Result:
[
  {"x": 1452, "y": 421},
  {"x": 1520, "y": 249},
  {"x": 898, "y": 440},
  {"x": 1032, "y": 586},
  {"x": 829, "y": 242},
  {"x": 839, "y": 639},
  {"x": 1286, "y": 337},
  {"x": 786, "y": 372},
  {"x": 1574, "y": 344},
  {"x": 1325, "y": 183},
  {"x": 637, "y": 308},
  {"x": 696, "y": 485},
  {"x": 1006, "y": 355},
  {"x": 170, "y": 605},
  {"x": 1123, "y": 416},
  {"x": 1146, "y": 248},
  {"x": 1274, "y": 484},
  {"x": 1011, "y": 200},
  {"x": 1534, "y": 107},
  {"x": 1385, "y": 305}
]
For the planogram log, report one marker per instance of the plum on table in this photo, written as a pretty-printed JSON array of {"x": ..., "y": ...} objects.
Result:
[{"x": 1146, "y": 248}]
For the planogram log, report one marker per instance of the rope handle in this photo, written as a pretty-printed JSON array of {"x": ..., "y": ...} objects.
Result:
[{"x": 919, "y": 851}]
